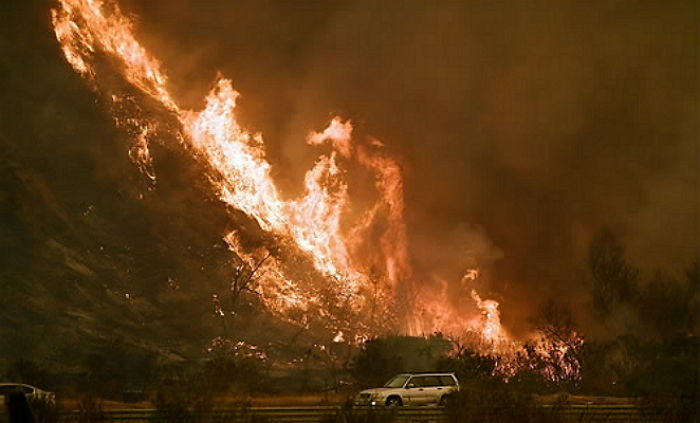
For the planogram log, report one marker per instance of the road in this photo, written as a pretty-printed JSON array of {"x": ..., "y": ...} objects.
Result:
[{"x": 572, "y": 413}]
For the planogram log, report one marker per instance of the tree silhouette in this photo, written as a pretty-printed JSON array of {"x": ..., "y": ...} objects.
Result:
[
  {"x": 244, "y": 280},
  {"x": 614, "y": 280}
]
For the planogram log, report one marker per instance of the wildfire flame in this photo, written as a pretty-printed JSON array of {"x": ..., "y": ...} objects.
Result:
[
  {"x": 237, "y": 158},
  {"x": 91, "y": 32}
]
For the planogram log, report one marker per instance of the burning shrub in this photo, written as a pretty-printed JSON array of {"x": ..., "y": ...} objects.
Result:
[{"x": 546, "y": 366}]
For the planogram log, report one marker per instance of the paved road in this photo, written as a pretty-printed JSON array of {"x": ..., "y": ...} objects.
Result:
[{"x": 573, "y": 413}]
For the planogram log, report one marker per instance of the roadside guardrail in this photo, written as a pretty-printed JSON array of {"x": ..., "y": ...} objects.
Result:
[{"x": 575, "y": 413}]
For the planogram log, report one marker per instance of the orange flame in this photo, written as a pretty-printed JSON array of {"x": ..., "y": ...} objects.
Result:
[
  {"x": 92, "y": 31},
  {"x": 490, "y": 326},
  {"x": 236, "y": 158}
]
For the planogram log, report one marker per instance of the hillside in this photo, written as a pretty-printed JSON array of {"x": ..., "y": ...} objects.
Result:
[{"x": 97, "y": 259}]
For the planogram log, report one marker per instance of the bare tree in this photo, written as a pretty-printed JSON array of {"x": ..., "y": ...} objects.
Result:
[
  {"x": 562, "y": 361},
  {"x": 555, "y": 322},
  {"x": 244, "y": 280}
]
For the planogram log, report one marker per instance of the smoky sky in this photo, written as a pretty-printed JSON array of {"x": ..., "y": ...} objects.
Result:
[{"x": 523, "y": 127}]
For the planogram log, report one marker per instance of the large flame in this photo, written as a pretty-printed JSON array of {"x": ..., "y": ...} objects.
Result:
[
  {"x": 94, "y": 35},
  {"x": 89, "y": 29}
]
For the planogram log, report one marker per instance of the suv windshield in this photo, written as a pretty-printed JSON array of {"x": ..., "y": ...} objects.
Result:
[{"x": 396, "y": 381}]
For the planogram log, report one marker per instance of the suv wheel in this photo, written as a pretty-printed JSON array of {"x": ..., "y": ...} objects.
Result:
[{"x": 393, "y": 402}]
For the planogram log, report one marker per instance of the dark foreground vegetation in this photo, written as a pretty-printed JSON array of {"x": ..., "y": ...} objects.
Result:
[
  {"x": 468, "y": 406},
  {"x": 642, "y": 345}
]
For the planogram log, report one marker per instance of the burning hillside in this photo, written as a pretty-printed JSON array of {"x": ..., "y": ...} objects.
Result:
[
  {"x": 316, "y": 224},
  {"x": 359, "y": 254},
  {"x": 400, "y": 186}
]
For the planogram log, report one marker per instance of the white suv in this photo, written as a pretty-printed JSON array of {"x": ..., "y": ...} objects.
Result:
[{"x": 411, "y": 389}]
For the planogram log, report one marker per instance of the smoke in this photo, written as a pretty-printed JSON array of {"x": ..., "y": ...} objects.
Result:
[
  {"x": 536, "y": 124},
  {"x": 522, "y": 129}
]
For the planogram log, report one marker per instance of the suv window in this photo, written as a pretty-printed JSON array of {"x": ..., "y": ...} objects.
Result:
[
  {"x": 396, "y": 381},
  {"x": 431, "y": 381},
  {"x": 418, "y": 381},
  {"x": 447, "y": 381}
]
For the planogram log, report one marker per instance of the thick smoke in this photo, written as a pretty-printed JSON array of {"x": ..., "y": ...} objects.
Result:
[{"x": 524, "y": 128}]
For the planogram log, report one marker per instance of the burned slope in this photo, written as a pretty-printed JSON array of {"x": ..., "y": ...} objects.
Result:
[{"x": 102, "y": 269}]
